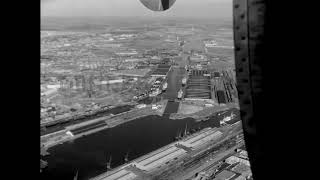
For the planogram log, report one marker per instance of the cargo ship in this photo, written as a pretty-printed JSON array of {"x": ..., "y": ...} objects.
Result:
[
  {"x": 184, "y": 81},
  {"x": 180, "y": 93},
  {"x": 154, "y": 93},
  {"x": 227, "y": 118}
]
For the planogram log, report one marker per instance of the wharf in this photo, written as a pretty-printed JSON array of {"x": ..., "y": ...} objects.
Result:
[
  {"x": 164, "y": 157},
  {"x": 89, "y": 127}
]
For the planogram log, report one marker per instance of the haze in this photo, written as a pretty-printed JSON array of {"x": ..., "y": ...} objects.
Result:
[{"x": 123, "y": 8}]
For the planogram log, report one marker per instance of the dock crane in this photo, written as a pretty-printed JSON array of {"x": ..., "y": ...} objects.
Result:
[
  {"x": 126, "y": 158},
  {"x": 76, "y": 176},
  {"x": 109, "y": 163}
]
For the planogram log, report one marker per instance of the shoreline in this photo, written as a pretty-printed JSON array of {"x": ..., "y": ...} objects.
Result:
[
  {"x": 60, "y": 137},
  {"x": 127, "y": 166}
]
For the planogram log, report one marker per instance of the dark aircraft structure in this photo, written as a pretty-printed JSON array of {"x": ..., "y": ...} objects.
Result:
[{"x": 158, "y": 5}]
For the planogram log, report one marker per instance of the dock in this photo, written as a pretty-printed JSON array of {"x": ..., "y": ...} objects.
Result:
[{"x": 163, "y": 157}]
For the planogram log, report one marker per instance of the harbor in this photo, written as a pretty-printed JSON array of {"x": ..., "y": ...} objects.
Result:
[{"x": 90, "y": 154}]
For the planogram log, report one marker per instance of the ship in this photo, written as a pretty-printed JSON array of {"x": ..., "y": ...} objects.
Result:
[
  {"x": 164, "y": 87},
  {"x": 227, "y": 118},
  {"x": 184, "y": 81},
  {"x": 180, "y": 93},
  {"x": 154, "y": 93}
]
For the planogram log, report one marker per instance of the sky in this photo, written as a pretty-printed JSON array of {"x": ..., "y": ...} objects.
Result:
[{"x": 97, "y": 8}]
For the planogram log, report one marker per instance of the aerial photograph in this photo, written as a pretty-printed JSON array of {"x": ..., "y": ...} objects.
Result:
[{"x": 139, "y": 90}]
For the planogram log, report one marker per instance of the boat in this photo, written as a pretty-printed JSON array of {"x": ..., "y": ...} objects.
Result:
[
  {"x": 184, "y": 81},
  {"x": 180, "y": 93},
  {"x": 164, "y": 87},
  {"x": 227, "y": 118},
  {"x": 154, "y": 93}
]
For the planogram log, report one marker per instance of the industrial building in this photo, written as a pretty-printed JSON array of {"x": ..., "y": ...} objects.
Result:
[
  {"x": 120, "y": 174},
  {"x": 200, "y": 139},
  {"x": 162, "y": 157},
  {"x": 198, "y": 85},
  {"x": 224, "y": 175}
]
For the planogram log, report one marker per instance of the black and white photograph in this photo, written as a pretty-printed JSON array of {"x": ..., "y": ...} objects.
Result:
[{"x": 145, "y": 90}]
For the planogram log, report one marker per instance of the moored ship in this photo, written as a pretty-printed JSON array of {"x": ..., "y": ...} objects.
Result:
[
  {"x": 180, "y": 93},
  {"x": 227, "y": 118}
]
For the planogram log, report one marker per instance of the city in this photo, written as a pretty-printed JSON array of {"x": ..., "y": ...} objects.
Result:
[{"x": 140, "y": 100}]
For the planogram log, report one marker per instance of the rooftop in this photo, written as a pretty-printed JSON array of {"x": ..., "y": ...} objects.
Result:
[
  {"x": 224, "y": 175},
  {"x": 122, "y": 174}
]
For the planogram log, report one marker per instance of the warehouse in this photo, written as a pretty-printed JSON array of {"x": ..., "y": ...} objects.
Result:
[
  {"x": 224, "y": 175},
  {"x": 161, "y": 158},
  {"x": 121, "y": 174},
  {"x": 201, "y": 138}
]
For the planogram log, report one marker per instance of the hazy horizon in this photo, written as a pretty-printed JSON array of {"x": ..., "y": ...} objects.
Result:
[{"x": 134, "y": 8}]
